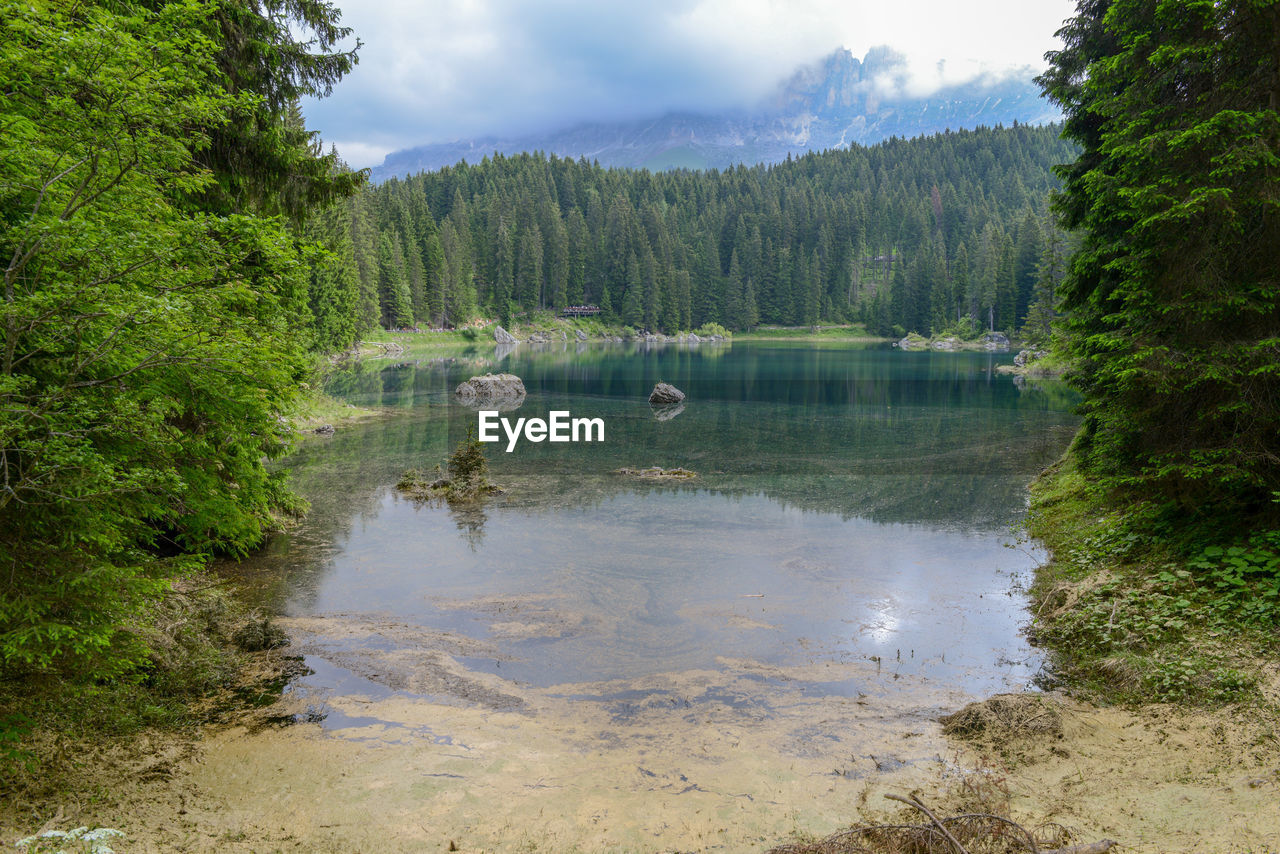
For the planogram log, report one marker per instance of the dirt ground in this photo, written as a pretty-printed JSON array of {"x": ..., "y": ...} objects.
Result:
[{"x": 436, "y": 756}]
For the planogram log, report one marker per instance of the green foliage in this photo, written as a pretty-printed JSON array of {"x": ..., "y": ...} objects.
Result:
[
  {"x": 148, "y": 345},
  {"x": 1133, "y": 617},
  {"x": 1242, "y": 581},
  {"x": 15, "y": 729},
  {"x": 464, "y": 479},
  {"x": 264, "y": 159},
  {"x": 1174, "y": 296},
  {"x": 966, "y": 329},
  {"x": 468, "y": 469},
  {"x": 706, "y": 330},
  {"x": 821, "y": 236}
]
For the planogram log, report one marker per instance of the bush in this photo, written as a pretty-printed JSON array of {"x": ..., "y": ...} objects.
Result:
[{"x": 706, "y": 330}]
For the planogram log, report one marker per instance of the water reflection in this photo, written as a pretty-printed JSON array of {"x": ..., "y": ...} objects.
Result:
[{"x": 850, "y": 505}]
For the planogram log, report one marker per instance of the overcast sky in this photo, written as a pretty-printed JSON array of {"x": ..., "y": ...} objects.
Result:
[{"x": 441, "y": 70}]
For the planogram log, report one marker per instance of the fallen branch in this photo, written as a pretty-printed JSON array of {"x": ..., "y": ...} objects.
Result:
[{"x": 915, "y": 802}]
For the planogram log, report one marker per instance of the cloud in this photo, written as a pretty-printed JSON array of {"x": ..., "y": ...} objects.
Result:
[{"x": 440, "y": 70}]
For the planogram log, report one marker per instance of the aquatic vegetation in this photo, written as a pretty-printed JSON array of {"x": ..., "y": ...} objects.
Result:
[{"x": 465, "y": 477}]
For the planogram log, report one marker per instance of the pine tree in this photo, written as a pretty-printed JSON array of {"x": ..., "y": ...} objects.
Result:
[
  {"x": 1174, "y": 296},
  {"x": 393, "y": 287}
]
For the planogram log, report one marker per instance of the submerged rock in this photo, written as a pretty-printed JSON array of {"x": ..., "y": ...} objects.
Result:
[
  {"x": 659, "y": 473},
  {"x": 664, "y": 394},
  {"x": 491, "y": 389},
  {"x": 502, "y": 336}
]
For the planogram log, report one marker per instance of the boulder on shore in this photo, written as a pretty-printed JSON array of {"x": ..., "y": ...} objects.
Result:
[
  {"x": 491, "y": 388},
  {"x": 581, "y": 335},
  {"x": 664, "y": 394},
  {"x": 995, "y": 341},
  {"x": 502, "y": 336},
  {"x": 1026, "y": 357}
]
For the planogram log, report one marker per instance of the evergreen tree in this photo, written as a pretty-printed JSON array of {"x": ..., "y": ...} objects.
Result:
[
  {"x": 393, "y": 286},
  {"x": 1026, "y": 262},
  {"x": 632, "y": 301},
  {"x": 1174, "y": 296},
  {"x": 1005, "y": 312}
]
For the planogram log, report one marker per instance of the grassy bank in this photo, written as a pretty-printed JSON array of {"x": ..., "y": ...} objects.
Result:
[
  {"x": 318, "y": 410},
  {"x": 480, "y": 333},
  {"x": 839, "y": 332},
  {"x": 1135, "y": 613}
]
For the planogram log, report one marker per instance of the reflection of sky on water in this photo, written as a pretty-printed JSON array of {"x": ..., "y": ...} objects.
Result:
[
  {"x": 852, "y": 505},
  {"x": 645, "y": 583}
]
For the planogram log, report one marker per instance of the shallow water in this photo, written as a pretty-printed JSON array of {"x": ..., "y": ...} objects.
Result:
[{"x": 839, "y": 572}]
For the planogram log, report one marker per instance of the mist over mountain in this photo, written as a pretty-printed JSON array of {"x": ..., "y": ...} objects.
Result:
[{"x": 833, "y": 103}]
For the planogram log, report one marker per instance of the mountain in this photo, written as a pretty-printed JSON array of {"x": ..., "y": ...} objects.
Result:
[{"x": 835, "y": 102}]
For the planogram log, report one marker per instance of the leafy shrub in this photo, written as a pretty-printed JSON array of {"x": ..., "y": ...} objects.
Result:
[
  {"x": 706, "y": 330},
  {"x": 1242, "y": 583}
]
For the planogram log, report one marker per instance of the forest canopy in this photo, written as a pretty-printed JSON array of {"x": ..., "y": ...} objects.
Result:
[{"x": 917, "y": 234}]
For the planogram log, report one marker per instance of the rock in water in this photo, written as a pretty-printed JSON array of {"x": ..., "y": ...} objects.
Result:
[
  {"x": 502, "y": 336},
  {"x": 491, "y": 388},
  {"x": 664, "y": 394}
]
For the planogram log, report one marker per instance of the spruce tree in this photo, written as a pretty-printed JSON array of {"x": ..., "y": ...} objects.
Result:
[{"x": 1174, "y": 296}]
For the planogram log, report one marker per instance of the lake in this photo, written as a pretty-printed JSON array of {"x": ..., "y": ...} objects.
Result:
[{"x": 843, "y": 569}]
